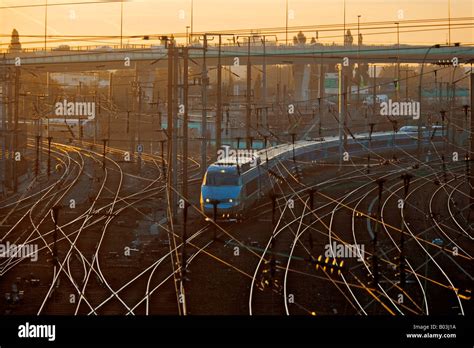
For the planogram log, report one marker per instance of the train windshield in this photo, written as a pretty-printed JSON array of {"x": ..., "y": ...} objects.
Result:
[{"x": 222, "y": 178}]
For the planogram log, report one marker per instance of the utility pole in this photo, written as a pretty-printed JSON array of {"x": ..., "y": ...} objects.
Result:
[
  {"x": 471, "y": 156},
  {"x": 358, "y": 57},
  {"x": 452, "y": 130},
  {"x": 49, "y": 155},
  {"x": 406, "y": 82},
  {"x": 95, "y": 118},
  {"x": 321, "y": 89},
  {"x": 444, "y": 131},
  {"x": 274, "y": 198},
  {"x": 132, "y": 123},
  {"x": 183, "y": 250},
  {"x": 79, "y": 121},
  {"x": 248, "y": 96},
  {"x": 111, "y": 75},
  {"x": 406, "y": 177},
  {"x": 103, "y": 154},
  {"x": 345, "y": 106},
  {"x": 38, "y": 138},
  {"x": 398, "y": 61},
  {"x": 293, "y": 136},
  {"x": 341, "y": 113},
  {"x": 175, "y": 148},
  {"x": 374, "y": 92},
  {"x": 3, "y": 76},
  {"x": 185, "y": 135},
  {"x": 170, "y": 119},
  {"x": 204, "y": 110},
  {"x": 215, "y": 203},
  {"x": 121, "y": 24},
  {"x": 219, "y": 97},
  {"x": 375, "y": 266},
  {"x": 218, "y": 123},
  {"x": 138, "y": 119},
  {"x": 344, "y": 29},
  {"x": 394, "y": 135},
  {"x": 419, "y": 149},
  {"x": 46, "y": 25},
  {"x": 15, "y": 127},
  {"x": 163, "y": 166},
  {"x": 55, "y": 235},
  {"x": 371, "y": 130},
  {"x": 286, "y": 24},
  {"x": 264, "y": 83}
]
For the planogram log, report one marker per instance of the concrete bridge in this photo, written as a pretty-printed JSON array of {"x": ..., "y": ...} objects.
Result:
[
  {"x": 301, "y": 56},
  {"x": 115, "y": 58}
]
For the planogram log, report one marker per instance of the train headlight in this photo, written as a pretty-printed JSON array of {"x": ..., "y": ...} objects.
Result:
[
  {"x": 207, "y": 200},
  {"x": 230, "y": 200}
]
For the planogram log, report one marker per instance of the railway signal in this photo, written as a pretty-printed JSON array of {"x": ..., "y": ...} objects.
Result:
[
  {"x": 163, "y": 165},
  {"x": 49, "y": 155},
  {"x": 372, "y": 125},
  {"x": 273, "y": 197},
  {"x": 374, "y": 259},
  {"x": 466, "y": 160},
  {"x": 55, "y": 235},
  {"x": 214, "y": 203},
  {"x": 238, "y": 142},
  {"x": 104, "y": 152},
  {"x": 184, "y": 237},
  {"x": 443, "y": 161},
  {"x": 265, "y": 139},
  {"x": 406, "y": 177},
  {"x": 38, "y": 139},
  {"x": 293, "y": 136}
]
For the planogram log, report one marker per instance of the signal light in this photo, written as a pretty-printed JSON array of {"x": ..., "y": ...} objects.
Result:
[
  {"x": 443, "y": 63},
  {"x": 330, "y": 263}
]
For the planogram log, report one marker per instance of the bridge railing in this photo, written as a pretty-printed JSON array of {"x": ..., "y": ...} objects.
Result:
[{"x": 257, "y": 45}]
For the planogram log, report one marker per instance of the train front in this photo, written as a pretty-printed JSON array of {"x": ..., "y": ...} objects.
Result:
[{"x": 221, "y": 192}]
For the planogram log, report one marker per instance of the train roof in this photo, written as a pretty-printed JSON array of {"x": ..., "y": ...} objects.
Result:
[
  {"x": 245, "y": 160},
  {"x": 234, "y": 160}
]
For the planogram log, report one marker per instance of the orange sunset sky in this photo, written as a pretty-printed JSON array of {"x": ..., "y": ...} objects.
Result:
[{"x": 145, "y": 17}]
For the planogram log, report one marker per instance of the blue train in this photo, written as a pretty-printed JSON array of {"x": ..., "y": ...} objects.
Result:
[{"x": 233, "y": 184}]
